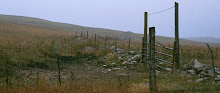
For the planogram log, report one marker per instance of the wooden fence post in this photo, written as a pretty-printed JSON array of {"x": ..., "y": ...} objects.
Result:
[
  {"x": 76, "y": 34},
  {"x": 213, "y": 64},
  {"x": 129, "y": 42},
  {"x": 109, "y": 35},
  {"x": 7, "y": 71},
  {"x": 106, "y": 39},
  {"x": 98, "y": 36},
  {"x": 177, "y": 65},
  {"x": 145, "y": 32},
  {"x": 95, "y": 38},
  {"x": 116, "y": 43},
  {"x": 174, "y": 57},
  {"x": 143, "y": 50},
  {"x": 152, "y": 71},
  {"x": 123, "y": 45},
  {"x": 81, "y": 34},
  {"x": 58, "y": 65},
  {"x": 87, "y": 35}
]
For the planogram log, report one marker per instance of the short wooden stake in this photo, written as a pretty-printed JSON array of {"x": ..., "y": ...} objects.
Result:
[{"x": 58, "y": 65}]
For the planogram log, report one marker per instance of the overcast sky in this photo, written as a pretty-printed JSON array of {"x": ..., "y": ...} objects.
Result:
[{"x": 198, "y": 18}]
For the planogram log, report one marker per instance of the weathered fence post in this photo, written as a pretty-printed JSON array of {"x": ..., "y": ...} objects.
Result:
[
  {"x": 213, "y": 64},
  {"x": 177, "y": 65},
  {"x": 76, "y": 34},
  {"x": 95, "y": 38},
  {"x": 145, "y": 32},
  {"x": 81, "y": 34},
  {"x": 106, "y": 39},
  {"x": 7, "y": 70},
  {"x": 129, "y": 43},
  {"x": 143, "y": 51},
  {"x": 144, "y": 39},
  {"x": 123, "y": 45},
  {"x": 58, "y": 65},
  {"x": 174, "y": 57},
  {"x": 87, "y": 35},
  {"x": 152, "y": 71},
  {"x": 116, "y": 43},
  {"x": 109, "y": 35}
]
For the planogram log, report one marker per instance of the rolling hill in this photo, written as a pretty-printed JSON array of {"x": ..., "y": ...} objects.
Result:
[
  {"x": 205, "y": 39},
  {"x": 12, "y": 26}
]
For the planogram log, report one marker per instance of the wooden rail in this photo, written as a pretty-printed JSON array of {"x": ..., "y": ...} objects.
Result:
[
  {"x": 164, "y": 47},
  {"x": 162, "y": 60},
  {"x": 162, "y": 67},
  {"x": 163, "y": 54}
]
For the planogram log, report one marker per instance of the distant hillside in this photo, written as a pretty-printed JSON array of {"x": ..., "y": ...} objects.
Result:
[
  {"x": 45, "y": 26},
  {"x": 205, "y": 39}
]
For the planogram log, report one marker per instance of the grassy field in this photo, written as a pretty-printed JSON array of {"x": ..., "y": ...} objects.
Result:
[{"x": 28, "y": 59}]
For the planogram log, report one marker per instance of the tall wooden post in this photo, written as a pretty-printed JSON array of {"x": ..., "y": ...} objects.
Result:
[
  {"x": 152, "y": 71},
  {"x": 145, "y": 32},
  {"x": 176, "y": 36},
  {"x": 58, "y": 65}
]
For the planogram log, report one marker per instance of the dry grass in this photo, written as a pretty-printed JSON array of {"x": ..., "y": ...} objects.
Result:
[{"x": 30, "y": 47}]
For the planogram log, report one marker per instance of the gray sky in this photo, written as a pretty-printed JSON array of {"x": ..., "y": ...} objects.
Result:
[{"x": 198, "y": 18}]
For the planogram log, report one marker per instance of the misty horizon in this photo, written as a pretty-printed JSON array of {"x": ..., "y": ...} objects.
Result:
[{"x": 200, "y": 20}]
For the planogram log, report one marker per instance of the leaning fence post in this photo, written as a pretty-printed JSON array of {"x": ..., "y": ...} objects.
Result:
[
  {"x": 58, "y": 65},
  {"x": 152, "y": 76},
  {"x": 213, "y": 64}
]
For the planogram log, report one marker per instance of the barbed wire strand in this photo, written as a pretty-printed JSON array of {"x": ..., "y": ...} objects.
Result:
[{"x": 162, "y": 11}]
